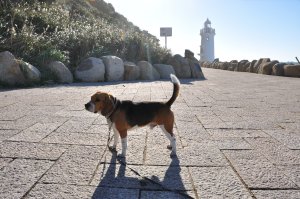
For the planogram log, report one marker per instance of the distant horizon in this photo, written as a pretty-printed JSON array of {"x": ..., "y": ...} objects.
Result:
[{"x": 244, "y": 29}]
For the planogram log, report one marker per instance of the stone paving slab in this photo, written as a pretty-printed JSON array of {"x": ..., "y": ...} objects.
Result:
[
  {"x": 4, "y": 162},
  {"x": 76, "y": 166},
  {"x": 20, "y": 175},
  {"x": 276, "y": 152},
  {"x": 237, "y": 137},
  {"x": 292, "y": 171},
  {"x": 35, "y": 133},
  {"x": 220, "y": 182},
  {"x": 31, "y": 150},
  {"x": 6, "y": 134},
  {"x": 18, "y": 124},
  {"x": 236, "y": 133},
  {"x": 257, "y": 172},
  {"x": 54, "y": 191},
  {"x": 165, "y": 194},
  {"x": 270, "y": 194},
  {"x": 232, "y": 144},
  {"x": 290, "y": 139}
]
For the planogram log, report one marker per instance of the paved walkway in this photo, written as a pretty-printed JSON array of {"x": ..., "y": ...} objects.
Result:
[{"x": 238, "y": 136}]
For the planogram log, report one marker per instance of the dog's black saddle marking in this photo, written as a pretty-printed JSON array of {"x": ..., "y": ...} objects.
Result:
[{"x": 140, "y": 113}]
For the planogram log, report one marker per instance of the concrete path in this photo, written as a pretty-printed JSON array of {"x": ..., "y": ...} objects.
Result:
[{"x": 238, "y": 136}]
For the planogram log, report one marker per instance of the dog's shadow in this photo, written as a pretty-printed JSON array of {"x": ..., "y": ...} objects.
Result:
[{"x": 118, "y": 177}]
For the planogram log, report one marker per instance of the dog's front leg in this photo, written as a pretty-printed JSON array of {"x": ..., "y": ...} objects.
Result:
[
  {"x": 124, "y": 143},
  {"x": 116, "y": 139}
]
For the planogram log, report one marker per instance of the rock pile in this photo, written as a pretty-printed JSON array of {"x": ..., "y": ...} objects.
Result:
[
  {"x": 92, "y": 69},
  {"x": 187, "y": 66},
  {"x": 264, "y": 66}
]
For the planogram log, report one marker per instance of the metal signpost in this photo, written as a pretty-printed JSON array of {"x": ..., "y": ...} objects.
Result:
[{"x": 166, "y": 32}]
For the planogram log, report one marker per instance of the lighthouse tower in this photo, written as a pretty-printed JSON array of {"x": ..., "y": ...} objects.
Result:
[{"x": 207, "y": 51}]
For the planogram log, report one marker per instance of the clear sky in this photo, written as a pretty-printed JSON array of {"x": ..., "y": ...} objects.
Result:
[{"x": 245, "y": 29}]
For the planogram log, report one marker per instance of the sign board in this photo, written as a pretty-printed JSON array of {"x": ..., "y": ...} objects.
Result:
[{"x": 165, "y": 32}]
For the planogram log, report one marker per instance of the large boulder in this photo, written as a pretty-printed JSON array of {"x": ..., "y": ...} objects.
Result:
[
  {"x": 61, "y": 72},
  {"x": 31, "y": 73},
  {"x": 146, "y": 70},
  {"x": 188, "y": 54},
  {"x": 266, "y": 68},
  {"x": 224, "y": 65},
  {"x": 196, "y": 71},
  {"x": 233, "y": 64},
  {"x": 214, "y": 64},
  {"x": 10, "y": 72},
  {"x": 250, "y": 68},
  {"x": 114, "y": 68},
  {"x": 260, "y": 62},
  {"x": 90, "y": 70},
  {"x": 278, "y": 70},
  {"x": 181, "y": 66},
  {"x": 242, "y": 65},
  {"x": 216, "y": 60},
  {"x": 195, "y": 67},
  {"x": 292, "y": 70},
  {"x": 247, "y": 66},
  {"x": 219, "y": 65},
  {"x": 164, "y": 70},
  {"x": 206, "y": 64},
  {"x": 156, "y": 74},
  {"x": 132, "y": 71}
]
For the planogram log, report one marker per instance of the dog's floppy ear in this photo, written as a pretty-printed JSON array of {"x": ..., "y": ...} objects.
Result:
[
  {"x": 108, "y": 104},
  {"x": 96, "y": 96},
  {"x": 109, "y": 100}
]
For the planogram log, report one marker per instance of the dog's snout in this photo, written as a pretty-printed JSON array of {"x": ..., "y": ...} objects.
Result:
[{"x": 87, "y": 105}]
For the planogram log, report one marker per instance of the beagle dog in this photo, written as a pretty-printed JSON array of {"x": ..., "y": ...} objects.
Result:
[{"x": 126, "y": 115}]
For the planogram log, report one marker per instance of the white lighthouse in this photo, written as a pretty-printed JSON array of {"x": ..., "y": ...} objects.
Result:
[{"x": 207, "y": 51}]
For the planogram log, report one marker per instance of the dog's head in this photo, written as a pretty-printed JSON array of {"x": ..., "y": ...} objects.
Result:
[{"x": 100, "y": 103}]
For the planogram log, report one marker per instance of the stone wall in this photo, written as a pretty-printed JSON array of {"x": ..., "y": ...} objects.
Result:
[
  {"x": 264, "y": 66},
  {"x": 93, "y": 69}
]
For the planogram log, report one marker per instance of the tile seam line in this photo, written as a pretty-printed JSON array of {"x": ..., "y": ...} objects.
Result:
[
  {"x": 34, "y": 185},
  {"x": 240, "y": 178}
]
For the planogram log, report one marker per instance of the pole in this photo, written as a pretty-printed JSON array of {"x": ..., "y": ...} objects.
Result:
[
  {"x": 165, "y": 42},
  {"x": 297, "y": 60}
]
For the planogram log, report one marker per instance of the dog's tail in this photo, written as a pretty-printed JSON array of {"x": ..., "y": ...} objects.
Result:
[{"x": 176, "y": 84}]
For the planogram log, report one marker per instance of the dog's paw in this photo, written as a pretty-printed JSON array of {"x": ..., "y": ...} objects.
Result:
[
  {"x": 121, "y": 155},
  {"x": 169, "y": 147},
  {"x": 112, "y": 149}
]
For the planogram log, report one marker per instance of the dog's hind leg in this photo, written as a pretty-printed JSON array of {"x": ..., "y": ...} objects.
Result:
[{"x": 170, "y": 135}]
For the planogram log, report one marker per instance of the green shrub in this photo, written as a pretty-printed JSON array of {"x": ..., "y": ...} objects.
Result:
[
  {"x": 42, "y": 31},
  {"x": 51, "y": 54}
]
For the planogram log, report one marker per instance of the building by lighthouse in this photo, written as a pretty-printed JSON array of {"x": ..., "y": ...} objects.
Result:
[{"x": 207, "y": 51}]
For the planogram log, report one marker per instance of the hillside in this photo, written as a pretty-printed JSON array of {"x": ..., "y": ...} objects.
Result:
[{"x": 71, "y": 30}]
